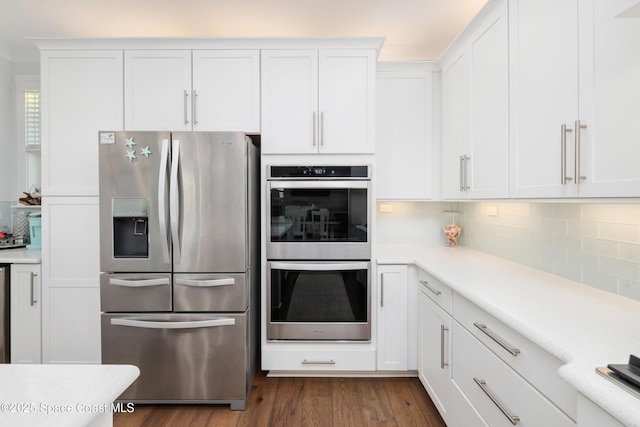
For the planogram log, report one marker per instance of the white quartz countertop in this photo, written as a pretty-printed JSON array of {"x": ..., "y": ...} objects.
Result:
[
  {"x": 60, "y": 395},
  {"x": 20, "y": 256},
  {"x": 583, "y": 326}
]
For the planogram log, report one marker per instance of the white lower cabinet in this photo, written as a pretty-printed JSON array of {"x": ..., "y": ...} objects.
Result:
[
  {"x": 500, "y": 395},
  {"x": 392, "y": 319},
  {"x": 591, "y": 415},
  {"x": 26, "y": 314},
  {"x": 318, "y": 358}
]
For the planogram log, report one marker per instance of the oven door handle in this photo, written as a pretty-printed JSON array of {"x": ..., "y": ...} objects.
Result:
[
  {"x": 319, "y": 266},
  {"x": 149, "y": 324},
  {"x": 284, "y": 185}
]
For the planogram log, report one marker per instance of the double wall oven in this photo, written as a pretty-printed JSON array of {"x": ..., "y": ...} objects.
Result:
[{"x": 318, "y": 253}]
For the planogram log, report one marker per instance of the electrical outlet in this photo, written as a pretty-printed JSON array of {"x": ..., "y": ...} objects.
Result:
[
  {"x": 492, "y": 210},
  {"x": 386, "y": 208}
]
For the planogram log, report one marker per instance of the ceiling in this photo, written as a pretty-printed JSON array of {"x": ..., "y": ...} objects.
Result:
[{"x": 414, "y": 29}]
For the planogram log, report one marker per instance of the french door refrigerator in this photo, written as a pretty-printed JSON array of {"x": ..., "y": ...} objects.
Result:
[{"x": 179, "y": 262}]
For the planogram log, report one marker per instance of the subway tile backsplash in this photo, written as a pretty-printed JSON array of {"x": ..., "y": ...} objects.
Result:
[{"x": 596, "y": 244}]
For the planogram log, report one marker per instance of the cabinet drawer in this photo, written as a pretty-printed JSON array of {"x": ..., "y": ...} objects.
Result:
[
  {"x": 496, "y": 391},
  {"x": 539, "y": 367},
  {"x": 440, "y": 293},
  {"x": 321, "y": 359}
]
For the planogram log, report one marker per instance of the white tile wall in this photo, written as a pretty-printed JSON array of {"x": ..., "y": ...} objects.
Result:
[{"x": 596, "y": 244}]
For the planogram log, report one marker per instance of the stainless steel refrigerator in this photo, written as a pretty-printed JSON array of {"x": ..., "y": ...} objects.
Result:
[{"x": 179, "y": 259}]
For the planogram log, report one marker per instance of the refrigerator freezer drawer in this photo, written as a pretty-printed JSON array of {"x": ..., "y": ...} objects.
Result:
[
  {"x": 210, "y": 292},
  {"x": 183, "y": 358},
  {"x": 135, "y": 292}
]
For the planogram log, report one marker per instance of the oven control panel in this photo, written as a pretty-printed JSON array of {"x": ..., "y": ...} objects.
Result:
[{"x": 319, "y": 172}]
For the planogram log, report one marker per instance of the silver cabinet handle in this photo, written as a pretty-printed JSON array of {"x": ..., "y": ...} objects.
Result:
[
  {"x": 33, "y": 289},
  {"x": 382, "y": 290},
  {"x": 318, "y": 362},
  {"x": 321, "y": 128},
  {"x": 563, "y": 154},
  {"x": 206, "y": 283},
  {"x": 186, "y": 100},
  {"x": 461, "y": 173},
  {"x": 578, "y": 176},
  {"x": 502, "y": 343},
  {"x": 139, "y": 283},
  {"x": 194, "y": 102},
  {"x": 513, "y": 419},
  {"x": 315, "y": 129},
  {"x": 426, "y": 285},
  {"x": 443, "y": 329},
  {"x": 466, "y": 173}
]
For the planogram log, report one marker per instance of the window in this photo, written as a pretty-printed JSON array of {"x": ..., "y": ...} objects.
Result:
[{"x": 28, "y": 134}]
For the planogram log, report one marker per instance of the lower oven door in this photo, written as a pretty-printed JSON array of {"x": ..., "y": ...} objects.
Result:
[
  {"x": 190, "y": 358},
  {"x": 319, "y": 301}
]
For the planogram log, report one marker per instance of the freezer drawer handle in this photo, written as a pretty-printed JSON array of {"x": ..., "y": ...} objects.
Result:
[
  {"x": 173, "y": 325},
  {"x": 139, "y": 283},
  {"x": 206, "y": 283}
]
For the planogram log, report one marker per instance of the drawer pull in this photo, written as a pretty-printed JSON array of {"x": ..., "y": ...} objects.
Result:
[
  {"x": 426, "y": 285},
  {"x": 318, "y": 362},
  {"x": 502, "y": 343},
  {"x": 513, "y": 419}
]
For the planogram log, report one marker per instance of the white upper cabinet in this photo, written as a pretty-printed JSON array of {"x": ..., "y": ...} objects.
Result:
[
  {"x": 609, "y": 101},
  {"x": 216, "y": 90},
  {"x": 575, "y": 99},
  {"x": 318, "y": 101},
  {"x": 82, "y": 94},
  {"x": 404, "y": 131},
  {"x": 475, "y": 109}
]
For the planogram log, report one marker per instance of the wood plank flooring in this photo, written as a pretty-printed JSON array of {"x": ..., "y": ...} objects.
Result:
[{"x": 330, "y": 402}]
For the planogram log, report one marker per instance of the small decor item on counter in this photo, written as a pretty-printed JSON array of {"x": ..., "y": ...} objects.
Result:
[
  {"x": 451, "y": 230},
  {"x": 32, "y": 198}
]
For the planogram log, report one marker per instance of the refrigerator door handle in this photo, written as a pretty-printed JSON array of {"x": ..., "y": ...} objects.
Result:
[
  {"x": 174, "y": 201},
  {"x": 138, "y": 283},
  {"x": 206, "y": 283},
  {"x": 162, "y": 202},
  {"x": 150, "y": 324}
]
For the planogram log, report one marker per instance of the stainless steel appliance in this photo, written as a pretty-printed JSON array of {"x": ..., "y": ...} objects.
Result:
[
  {"x": 319, "y": 253},
  {"x": 5, "y": 314},
  {"x": 179, "y": 256},
  {"x": 328, "y": 206}
]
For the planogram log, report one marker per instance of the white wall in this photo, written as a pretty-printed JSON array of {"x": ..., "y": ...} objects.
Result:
[
  {"x": 595, "y": 244},
  {"x": 7, "y": 126}
]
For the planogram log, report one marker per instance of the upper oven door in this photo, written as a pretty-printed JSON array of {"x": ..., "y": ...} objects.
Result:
[{"x": 318, "y": 220}]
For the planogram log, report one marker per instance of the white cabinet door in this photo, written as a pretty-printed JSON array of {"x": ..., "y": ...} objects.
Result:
[
  {"x": 70, "y": 280},
  {"x": 455, "y": 125},
  {"x": 289, "y": 101},
  {"x": 226, "y": 90},
  {"x": 609, "y": 99},
  {"x": 488, "y": 166},
  {"x": 544, "y": 96},
  {"x": 434, "y": 352},
  {"x": 346, "y": 101},
  {"x": 404, "y": 131},
  {"x": 317, "y": 101},
  {"x": 26, "y": 314},
  {"x": 81, "y": 94},
  {"x": 475, "y": 110},
  {"x": 392, "y": 318},
  {"x": 157, "y": 89}
]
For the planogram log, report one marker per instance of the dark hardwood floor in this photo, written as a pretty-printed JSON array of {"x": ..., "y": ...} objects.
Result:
[{"x": 297, "y": 402}]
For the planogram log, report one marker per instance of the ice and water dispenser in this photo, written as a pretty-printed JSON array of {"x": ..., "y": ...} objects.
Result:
[{"x": 130, "y": 227}]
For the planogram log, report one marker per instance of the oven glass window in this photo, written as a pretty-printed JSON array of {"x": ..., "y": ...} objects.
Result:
[
  {"x": 319, "y": 296},
  {"x": 319, "y": 215}
]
